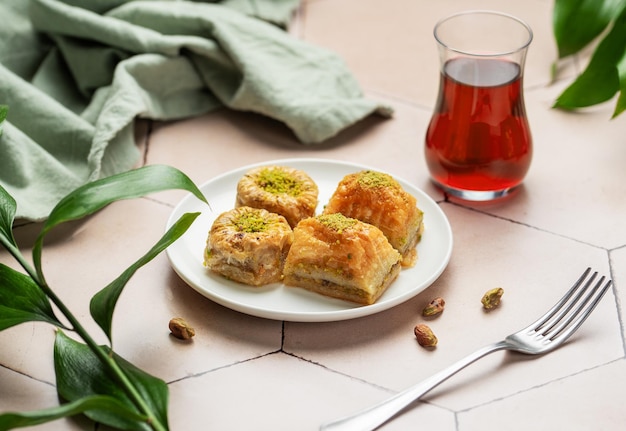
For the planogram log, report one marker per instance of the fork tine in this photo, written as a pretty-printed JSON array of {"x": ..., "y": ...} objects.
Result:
[
  {"x": 559, "y": 305},
  {"x": 570, "y": 325},
  {"x": 565, "y": 306}
]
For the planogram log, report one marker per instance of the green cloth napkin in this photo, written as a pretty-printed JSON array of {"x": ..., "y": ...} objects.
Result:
[{"x": 76, "y": 73}]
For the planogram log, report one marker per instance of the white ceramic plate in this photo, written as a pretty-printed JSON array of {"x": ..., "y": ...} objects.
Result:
[{"x": 277, "y": 301}]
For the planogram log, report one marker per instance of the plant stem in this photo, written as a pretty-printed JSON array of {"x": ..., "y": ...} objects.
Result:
[{"x": 107, "y": 360}]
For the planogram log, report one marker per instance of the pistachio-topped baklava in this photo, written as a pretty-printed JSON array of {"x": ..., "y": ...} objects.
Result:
[
  {"x": 341, "y": 257},
  {"x": 377, "y": 198},
  {"x": 248, "y": 245},
  {"x": 279, "y": 189}
]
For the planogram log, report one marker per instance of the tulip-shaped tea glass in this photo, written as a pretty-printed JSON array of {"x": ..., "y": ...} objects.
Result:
[{"x": 478, "y": 143}]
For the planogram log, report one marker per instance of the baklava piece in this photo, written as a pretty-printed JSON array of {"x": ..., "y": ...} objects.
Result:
[
  {"x": 378, "y": 199},
  {"x": 286, "y": 191},
  {"x": 248, "y": 245},
  {"x": 342, "y": 258}
]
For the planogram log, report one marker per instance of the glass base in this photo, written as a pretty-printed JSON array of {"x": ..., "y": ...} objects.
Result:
[{"x": 475, "y": 195}]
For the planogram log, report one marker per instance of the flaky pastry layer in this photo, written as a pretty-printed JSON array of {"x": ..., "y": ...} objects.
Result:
[
  {"x": 379, "y": 199},
  {"x": 355, "y": 263},
  {"x": 248, "y": 245}
]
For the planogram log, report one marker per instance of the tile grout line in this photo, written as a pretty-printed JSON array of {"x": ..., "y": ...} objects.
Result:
[
  {"x": 618, "y": 301},
  {"x": 331, "y": 370},
  {"x": 28, "y": 376},
  {"x": 599, "y": 247},
  {"x": 222, "y": 367},
  {"x": 563, "y": 378}
]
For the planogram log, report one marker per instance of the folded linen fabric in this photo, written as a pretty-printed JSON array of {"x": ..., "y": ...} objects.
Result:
[{"x": 76, "y": 73}]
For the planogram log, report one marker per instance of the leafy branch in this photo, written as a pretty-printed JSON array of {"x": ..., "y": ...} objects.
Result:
[
  {"x": 578, "y": 23},
  {"x": 91, "y": 378}
]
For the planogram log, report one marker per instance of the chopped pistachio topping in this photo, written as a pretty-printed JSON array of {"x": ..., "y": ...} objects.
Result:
[
  {"x": 376, "y": 179},
  {"x": 250, "y": 222},
  {"x": 337, "y": 222},
  {"x": 278, "y": 181}
]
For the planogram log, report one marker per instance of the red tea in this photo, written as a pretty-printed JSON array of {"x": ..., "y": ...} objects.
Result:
[{"x": 478, "y": 138}]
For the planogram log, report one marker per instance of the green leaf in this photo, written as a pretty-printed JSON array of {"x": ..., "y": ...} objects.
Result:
[
  {"x": 80, "y": 374},
  {"x": 620, "y": 106},
  {"x": 13, "y": 420},
  {"x": 96, "y": 195},
  {"x": 21, "y": 300},
  {"x": 103, "y": 303},
  {"x": 7, "y": 217},
  {"x": 600, "y": 80},
  {"x": 4, "y": 110},
  {"x": 139, "y": 182},
  {"x": 577, "y": 22}
]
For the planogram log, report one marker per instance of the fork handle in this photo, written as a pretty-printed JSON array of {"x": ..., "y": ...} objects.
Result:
[{"x": 372, "y": 417}]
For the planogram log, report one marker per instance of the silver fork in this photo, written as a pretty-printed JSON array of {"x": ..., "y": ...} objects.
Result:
[{"x": 542, "y": 336}]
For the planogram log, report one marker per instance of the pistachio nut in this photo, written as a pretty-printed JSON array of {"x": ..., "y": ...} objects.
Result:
[
  {"x": 181, "y": 329},
  {"x": 425, "y": 336},
  {"x": 491, "y": 298},
  {"x": 434, "y": 308}
]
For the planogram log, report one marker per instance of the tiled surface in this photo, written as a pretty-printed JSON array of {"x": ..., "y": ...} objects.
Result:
[
  {"x": 19, "y": 392},
  {"x": 243, "y": 372}
]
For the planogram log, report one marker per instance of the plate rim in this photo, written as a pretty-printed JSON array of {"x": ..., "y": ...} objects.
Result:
[{"x": 310, "y": 316}]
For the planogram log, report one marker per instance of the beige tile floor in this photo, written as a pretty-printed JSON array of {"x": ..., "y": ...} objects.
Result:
[{"x": 249, "y": 373}]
